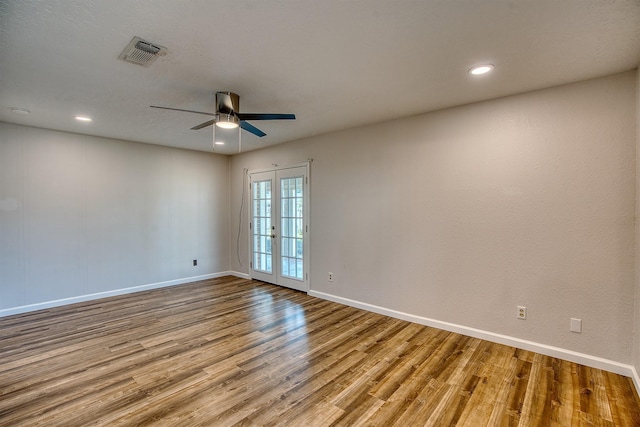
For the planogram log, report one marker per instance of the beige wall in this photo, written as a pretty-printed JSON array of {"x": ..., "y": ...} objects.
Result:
[
  {"x": 461, "y": 215},
  {"x": 637, "y": 233},
  {"x": 81, "y": 215}
]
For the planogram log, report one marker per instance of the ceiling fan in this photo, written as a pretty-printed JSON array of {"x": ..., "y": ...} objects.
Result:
[{"x": 227, "y": 115}]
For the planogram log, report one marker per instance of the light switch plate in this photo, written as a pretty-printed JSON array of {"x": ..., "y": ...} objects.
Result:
[{"x": 576, "y": 325}]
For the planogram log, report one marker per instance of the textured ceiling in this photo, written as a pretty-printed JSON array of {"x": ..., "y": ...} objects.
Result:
[{"x": 334, "y": 63}]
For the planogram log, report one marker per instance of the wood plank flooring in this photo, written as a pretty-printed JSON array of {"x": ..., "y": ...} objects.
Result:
[{"x": 234, "y": 352}]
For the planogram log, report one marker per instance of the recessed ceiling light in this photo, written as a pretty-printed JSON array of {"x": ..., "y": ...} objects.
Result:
[
  {"x": 22, "y": 111},
  {"x": 219, "y": 142},
  {"x": 481, "y": 69},
  {"x": 83, "y": 118}
]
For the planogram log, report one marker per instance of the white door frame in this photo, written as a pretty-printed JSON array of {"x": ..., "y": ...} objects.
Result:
[{"x": 276, "y": 277}]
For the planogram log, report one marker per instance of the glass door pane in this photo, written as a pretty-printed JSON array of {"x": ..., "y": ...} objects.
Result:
[
  {"x": 292, "y": 233},
  {"x": 262, "y": 228}
]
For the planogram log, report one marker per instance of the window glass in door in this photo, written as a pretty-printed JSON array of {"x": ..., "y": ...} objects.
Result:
[
  {"x": 262, "y": 251},
  {"x": 292, "y": 231}
]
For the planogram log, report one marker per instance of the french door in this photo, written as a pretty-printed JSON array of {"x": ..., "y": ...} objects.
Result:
[{"x": 278, "y": 227}]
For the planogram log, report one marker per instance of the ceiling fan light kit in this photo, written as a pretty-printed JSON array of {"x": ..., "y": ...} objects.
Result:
[{"x": 227, "y": 121}]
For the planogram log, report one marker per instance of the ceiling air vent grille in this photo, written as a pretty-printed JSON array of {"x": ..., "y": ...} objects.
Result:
[{"x": 141, "y": 52}]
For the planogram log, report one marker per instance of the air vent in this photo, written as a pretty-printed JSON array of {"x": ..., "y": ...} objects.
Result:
[{"x": 141, "y": 52}]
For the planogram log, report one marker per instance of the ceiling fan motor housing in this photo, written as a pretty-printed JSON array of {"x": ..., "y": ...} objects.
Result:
[{"x": 227, "y": 103}]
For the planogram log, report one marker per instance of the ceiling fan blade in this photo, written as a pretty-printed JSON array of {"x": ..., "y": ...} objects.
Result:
[
  {"x": 265, "y": 116},
  {"x": 204, "y": 125},
  {"x": 180, "y": 109},
  {"x": 250, "y": 128}
]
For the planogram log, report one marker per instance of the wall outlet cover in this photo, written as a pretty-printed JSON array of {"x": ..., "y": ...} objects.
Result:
[
  {"x": 521, "y": 313},
  {"x": 576, "y": 325}
]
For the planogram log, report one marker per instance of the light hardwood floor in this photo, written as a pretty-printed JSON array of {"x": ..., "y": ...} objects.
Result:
[{"x": 234, "y": 352}]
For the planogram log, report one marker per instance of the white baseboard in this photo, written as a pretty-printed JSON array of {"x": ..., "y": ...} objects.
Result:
[
  {"x": 240, "y": 275},
  {"x": 635, "y": 378},
  {"x": 122, "y": 291},
  {"x": 572, "y": 356}
]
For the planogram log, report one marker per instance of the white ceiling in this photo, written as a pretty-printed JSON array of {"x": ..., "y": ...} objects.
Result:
[{"x": 334, "y": 63}]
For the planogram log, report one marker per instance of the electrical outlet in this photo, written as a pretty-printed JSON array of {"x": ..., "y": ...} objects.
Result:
[
  {"x": 330, "y": 276},
  {"x": 522, "y": 312},
  {"x": 195, "y": 262}
]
